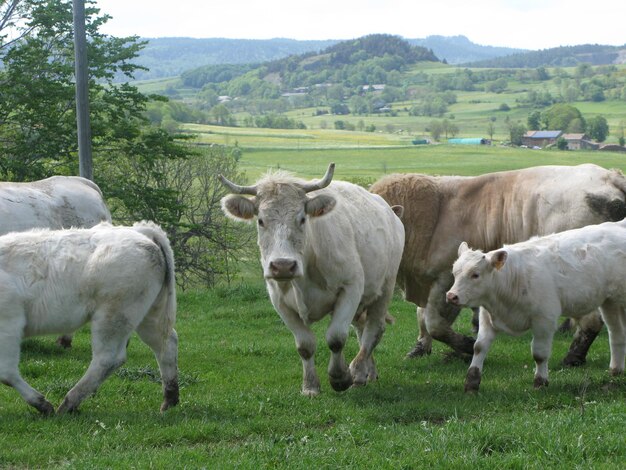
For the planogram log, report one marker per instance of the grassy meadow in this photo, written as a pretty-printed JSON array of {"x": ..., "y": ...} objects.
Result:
[{"x": 240, "y": 375}]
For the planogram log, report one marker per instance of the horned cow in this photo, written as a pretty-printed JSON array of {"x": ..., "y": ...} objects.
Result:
[{"x": 336, "y": 253}]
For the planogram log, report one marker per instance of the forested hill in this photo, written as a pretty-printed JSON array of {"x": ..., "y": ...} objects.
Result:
[
  {"x": 367, "y": 60},
  {"x": 168, "y": 57},
  {"x": 566, "y": 56}
]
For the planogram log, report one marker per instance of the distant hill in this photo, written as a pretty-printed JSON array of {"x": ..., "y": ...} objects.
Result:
[
  {"x": 460, "y": 50},
  {"x": 169, "y": 57},
  {"x": 366, "y": 60},
  {"x": 566, "y": 56}
]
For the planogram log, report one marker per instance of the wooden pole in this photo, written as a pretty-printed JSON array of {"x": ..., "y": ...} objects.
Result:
[{"x": 82, "y": 91}]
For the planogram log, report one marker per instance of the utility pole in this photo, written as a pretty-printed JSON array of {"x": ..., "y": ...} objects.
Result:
[{"x": 82, "y": 91}]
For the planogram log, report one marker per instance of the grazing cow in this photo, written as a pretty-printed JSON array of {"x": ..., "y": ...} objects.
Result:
[
  {"x": 55, "y": 203},
  {"x": 121, "y": 279},
  {"x": 489, "y": 211},
  {"x": 529, "y": 285},
  {"x": 334, "y": 253}
]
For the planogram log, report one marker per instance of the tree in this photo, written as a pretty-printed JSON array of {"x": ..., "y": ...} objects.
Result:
[
  {"x": 598, "y": 128},
  {"x": 132, "y": 158},
  {"x": 516, "y": 132},
  {"x": 559, "y": 116},
  {"x": 534, "y": 121},
  {"x": 436, "y": 129},
  {"x": 491, "y": 129}
]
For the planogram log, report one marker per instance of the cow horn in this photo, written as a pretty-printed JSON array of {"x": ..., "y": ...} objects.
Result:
[
  {"x": 235, "y": 188},
  {"x": 325, "y": 181}
]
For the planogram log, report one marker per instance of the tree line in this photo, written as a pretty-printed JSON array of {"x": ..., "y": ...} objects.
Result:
[{"x": 144, "y": 171}]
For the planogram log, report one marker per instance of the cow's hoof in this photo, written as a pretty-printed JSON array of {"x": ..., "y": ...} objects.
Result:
[
  {"x": 341, "y": 384},
  {"x": 573, "y": 361},
  {"x": 310, "y": 392},
  {"x": 540, "y": 382},
  {"x": 418, "y": 351},
  {"x": 65, "y": 341},
  {"x": 45, "y": 407},
  {"x": 615, "y": 372},
  {"x": 170, "y": 395},
  {"x": 472, "y": 380}
]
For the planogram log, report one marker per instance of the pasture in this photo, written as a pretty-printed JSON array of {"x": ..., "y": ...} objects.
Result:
[{"x": 240, "y": 377}]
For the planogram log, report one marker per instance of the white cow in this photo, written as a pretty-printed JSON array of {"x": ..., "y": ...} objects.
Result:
[
  {"x": 335, "y": 253},
  {"x": 55, "y": 203},
  {"x": 120, "y": 279},
  {"x": 529, "y": 285}
]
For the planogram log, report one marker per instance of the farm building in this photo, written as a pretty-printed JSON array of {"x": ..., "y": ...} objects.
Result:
[
  {"x": 579, "y": 142},
  {"x": 470, "y": 141},
  {"x": 540, "y": 138}
]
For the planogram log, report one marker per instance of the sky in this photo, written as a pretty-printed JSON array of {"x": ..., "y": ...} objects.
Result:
[{"x": 525, "y": 24}]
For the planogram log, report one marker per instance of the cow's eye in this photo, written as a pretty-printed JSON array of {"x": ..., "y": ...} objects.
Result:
[
  {"x": 475, "y": 276},
  {"x": 302, "y": 220},
  {"x": 261, "y": 223}
]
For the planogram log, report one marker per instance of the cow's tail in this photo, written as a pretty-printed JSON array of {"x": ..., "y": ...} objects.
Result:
[{"x": 165, "y": 304}]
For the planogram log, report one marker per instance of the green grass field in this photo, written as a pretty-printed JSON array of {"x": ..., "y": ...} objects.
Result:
[{"x": 240, "y": 378}]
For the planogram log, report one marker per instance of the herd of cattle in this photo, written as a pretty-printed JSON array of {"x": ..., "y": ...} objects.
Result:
[{"x": 524, "y": 247}]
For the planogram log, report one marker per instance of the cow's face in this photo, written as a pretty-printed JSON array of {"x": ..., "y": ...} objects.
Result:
[
  {"x": 283, "y": 212},
  {"x": 473, "y": 276}
]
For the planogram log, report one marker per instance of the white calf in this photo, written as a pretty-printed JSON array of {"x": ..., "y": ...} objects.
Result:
[
  {"x": 529, "y": 285},
  {"x": 119, "y": 278}
]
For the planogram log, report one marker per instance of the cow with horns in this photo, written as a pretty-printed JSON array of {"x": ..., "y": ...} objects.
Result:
[{"x": 336, "y": 252}]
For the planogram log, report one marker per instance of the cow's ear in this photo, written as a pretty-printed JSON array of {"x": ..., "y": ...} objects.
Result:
[
  {"x": 463, "y": 247},
  {"x": 319, "y": 205},
  {"x": 238, "y": 207},
  {"x": 498, "y": 259}
]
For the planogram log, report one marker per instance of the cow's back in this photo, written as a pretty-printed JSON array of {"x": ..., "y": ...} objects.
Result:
[
  {"x": 69, "y": 271},
  {"x": 491, "y": 210},
  {"x": 56, "y": 202}
]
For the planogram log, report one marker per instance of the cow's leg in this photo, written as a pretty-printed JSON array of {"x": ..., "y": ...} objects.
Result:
[
  {"x": 486, "y": 335},
  {"x": 337, "y": 335},
  {"x": 306, "y": 346},
  {"x": 10, "y": 340},
  {"x": 615, "y": 319},
  {"x": 541, "y": 347},
  {"x": 166, "y": 353},
  {"x": 109, "y": 335},
  {"x": 424, "y": 343},
  {"x": 362, "y": 367},
  {"x": 440, "y": 316},
  {"x": 65, "y": 341},
  {"x": 587, "y": 329}
]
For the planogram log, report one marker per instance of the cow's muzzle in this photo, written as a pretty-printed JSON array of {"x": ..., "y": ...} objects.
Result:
[
  {"x": 283, "y": 269},
  {"x": 452, "y": 298}
]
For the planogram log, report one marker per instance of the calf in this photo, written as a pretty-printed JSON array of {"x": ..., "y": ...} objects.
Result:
[
  {"x": 119, "y": 278},
  {"x": 529, "y": 285}
]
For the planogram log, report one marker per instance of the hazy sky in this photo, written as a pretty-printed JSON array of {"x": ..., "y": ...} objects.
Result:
[{"x": 529, "y": 24}]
